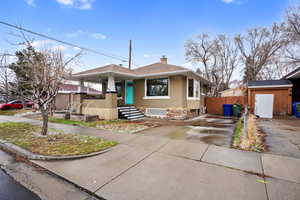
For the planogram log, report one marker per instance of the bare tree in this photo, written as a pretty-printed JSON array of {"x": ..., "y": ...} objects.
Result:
[
  {"x": 293, "y": 20},
  {"x": 258, "y": 46},
  {"x": 228, "y": 58},
  {"x": 293, "y": 32},
  {"x": 279, "y": 66},
  {"x": 45, "y": 72},
  {"x": 217, "y": 56},
  {"x": 6, "y": 76}
]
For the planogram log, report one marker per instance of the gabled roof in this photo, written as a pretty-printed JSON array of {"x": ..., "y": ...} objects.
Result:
[
  {"x": 112, "y": 67},
  {"x": 269, "y": 83},
  {"x": 293, "y": 74},
  {"x": 158, "y": 68}
]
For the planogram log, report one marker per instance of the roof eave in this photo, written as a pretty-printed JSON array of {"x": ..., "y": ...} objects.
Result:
[
  {"x": 137, "y": 76},
  {"x": 270, "y": 86}
]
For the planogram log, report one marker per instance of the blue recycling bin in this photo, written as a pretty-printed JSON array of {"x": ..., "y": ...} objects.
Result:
[
  {"x": 228, "y": 110},
  {"x": 294, "y": 108}
]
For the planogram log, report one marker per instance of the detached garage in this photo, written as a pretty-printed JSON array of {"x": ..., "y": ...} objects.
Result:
[{"x": 270, "y": 97}]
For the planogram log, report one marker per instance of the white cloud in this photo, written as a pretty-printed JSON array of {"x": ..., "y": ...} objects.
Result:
[
  {"x": 79, "y": 4},
  {"x": 66, "y": 2},
  {"x": 235, "y": 1},
  {"x": 75, "y": 34},
  {"x": 30, "y": 2},
  {"x": 40, "y": 44},
  {"x": 147, "y": 56},
  {"x": 228, "y": 1},
  {"x": 98, "y": 36},
  {"x": 88, "y": 34}
]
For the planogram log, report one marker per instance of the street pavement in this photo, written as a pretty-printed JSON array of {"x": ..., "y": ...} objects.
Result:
[{"x": 11, "y": 190}]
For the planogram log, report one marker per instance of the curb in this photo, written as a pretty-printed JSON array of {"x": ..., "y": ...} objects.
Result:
[{"x": 31, "y": 156}]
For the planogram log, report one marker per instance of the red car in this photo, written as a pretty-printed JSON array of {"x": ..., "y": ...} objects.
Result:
[{"x": 16, "y": 104}]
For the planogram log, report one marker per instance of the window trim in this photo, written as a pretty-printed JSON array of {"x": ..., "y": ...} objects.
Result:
[
  {"x": 156, "y": 97},
  {"x": 194, "y": 92}
]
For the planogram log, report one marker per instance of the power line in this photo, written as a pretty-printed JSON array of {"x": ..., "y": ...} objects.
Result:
[{"x": 116, "y": 57}]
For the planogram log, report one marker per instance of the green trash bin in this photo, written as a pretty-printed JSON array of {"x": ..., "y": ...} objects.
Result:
[
  {"x": 297, "y": 114},
  {"x": 237, "y": 110}
]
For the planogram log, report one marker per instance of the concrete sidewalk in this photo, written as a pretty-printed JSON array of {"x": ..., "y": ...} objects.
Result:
[{"x": 146, "y": 167}]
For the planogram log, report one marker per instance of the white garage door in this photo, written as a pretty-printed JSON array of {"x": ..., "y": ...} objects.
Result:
[{"x": 264, "y": 105}]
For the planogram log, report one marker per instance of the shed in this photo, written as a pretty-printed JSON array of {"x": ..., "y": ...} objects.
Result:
[{"x": 270, "y": 97}]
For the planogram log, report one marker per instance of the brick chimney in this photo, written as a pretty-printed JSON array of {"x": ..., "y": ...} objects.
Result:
[{"x": 164, "y": 60}]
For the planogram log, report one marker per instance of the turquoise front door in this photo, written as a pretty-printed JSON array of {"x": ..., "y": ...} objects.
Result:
[{"x": 129, "y": 93}]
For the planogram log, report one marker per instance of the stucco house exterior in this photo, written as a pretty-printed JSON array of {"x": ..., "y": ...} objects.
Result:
[{"x": 158, "y": 90}]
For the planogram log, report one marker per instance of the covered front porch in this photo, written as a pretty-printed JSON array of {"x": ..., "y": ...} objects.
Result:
[{"x": 117, "y": 90}]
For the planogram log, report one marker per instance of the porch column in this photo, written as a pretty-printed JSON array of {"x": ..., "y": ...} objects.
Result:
[
  {"x": 80, "y": 92},
  {"x": 81, "y": 86},
  {"x": 111, "y": 84}
]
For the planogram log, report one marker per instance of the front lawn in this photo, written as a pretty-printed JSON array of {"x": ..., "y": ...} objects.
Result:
[
  {"x": 68, "y": 121},
  {"x": 113, "y": 125},
  {"x": 56, "y": 143},
  {"x": 13, "y": 112}
]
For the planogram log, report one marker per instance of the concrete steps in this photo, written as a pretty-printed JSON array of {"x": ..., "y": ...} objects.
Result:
[{"x": 130, "y": 113}]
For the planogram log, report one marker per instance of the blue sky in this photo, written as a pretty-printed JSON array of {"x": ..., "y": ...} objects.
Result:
[{"x": 157, "y": 27}]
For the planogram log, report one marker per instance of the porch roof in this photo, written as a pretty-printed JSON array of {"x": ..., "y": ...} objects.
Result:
[{"x": 122, "y": 73}]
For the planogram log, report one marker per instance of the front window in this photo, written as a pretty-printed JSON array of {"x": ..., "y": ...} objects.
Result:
[
  {"x": 157, "y": 87},
  {"x": 193, "y": 87}
]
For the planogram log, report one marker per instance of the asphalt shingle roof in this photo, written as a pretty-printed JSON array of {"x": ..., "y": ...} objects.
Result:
[
  {"x": 154, "y": 68},
  {"x": 269, "y": 83}
]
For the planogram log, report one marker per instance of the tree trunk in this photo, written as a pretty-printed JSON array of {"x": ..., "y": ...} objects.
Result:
[{"x": 45, "y": 121}]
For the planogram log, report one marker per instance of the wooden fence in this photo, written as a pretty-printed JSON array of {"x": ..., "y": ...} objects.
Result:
[{"x": 214, "y": 105}]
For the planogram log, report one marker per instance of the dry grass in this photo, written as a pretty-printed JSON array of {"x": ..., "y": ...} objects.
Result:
[
  {"x": 253, "y": 141},
  {"x": 13, "y": 112},
  {"x": 58, "y": 144},
  {"x": 112, "y": 125}
]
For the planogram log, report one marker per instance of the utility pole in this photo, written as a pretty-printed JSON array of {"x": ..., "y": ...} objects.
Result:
[{"x": 130, "y": 52}]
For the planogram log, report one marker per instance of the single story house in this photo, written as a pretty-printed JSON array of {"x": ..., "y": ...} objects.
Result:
[
  {"x": 159, "y": 90},
  {"x": 294, "y": 77},
  {"x": 63, "y": 99},
  {"x": 270, "y": 97}
]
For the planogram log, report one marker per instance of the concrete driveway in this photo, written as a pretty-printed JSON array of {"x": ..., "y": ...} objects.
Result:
[
  {"x": 150, "y": 167},
  {"x": 209, "y": 130},
  {"x": 283, "y": 136}
]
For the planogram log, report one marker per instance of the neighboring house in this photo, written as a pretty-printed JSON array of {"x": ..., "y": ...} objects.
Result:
[
  {"x": 270, "y": 97},
  {"x": 238, "y": 91},
  {"x": 294, "y": 77},
  {"x": 159, "y": 90},
  {"x": 64, "y": 97}
]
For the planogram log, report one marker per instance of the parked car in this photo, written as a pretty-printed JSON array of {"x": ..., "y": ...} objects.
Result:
[{"x": 15, "y": 104}]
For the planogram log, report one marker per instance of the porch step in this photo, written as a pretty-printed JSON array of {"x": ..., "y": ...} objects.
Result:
[{"x": 130, "y": 113}]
